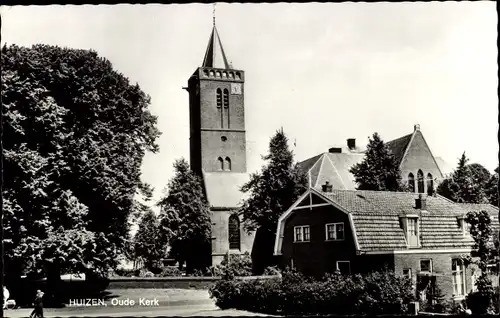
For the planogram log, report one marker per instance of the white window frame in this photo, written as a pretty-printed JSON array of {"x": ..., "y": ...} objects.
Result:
[
  {"x": 292, "y": 264},
  {"x": 302, "y": 232},
  {"x": 458, "y": 277},
  {"x": 417, "y": 231},
  {"x": 335, "y": 231},
  {"x": 430, "y": 265},
  {"x": 348, "y": 262}
]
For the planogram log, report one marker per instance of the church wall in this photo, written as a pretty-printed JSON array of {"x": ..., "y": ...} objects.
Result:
[
  {"x": 220, "y": 237},
  {"x": 213, "y": 147},
  {"x": 418, "y": 157},
  {"x": 210, "y": 119}
]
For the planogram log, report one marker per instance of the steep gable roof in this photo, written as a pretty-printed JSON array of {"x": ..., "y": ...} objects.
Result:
[
  {"x": 398, "y": 147},
  {"x": 336, "y": 168}
]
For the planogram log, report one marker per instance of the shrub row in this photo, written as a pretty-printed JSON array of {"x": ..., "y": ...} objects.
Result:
[{"x": 293, "y": 294}]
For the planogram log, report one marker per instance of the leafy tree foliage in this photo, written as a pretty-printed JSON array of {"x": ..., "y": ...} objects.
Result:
[
  {"x": 491, "y": 189},
  {"x": 466, "y": 184},
  {"x": 378, "y": 171},
  {"x": 149, "y": 245},
  {"x": 274, "y": 189},
  {"x": 185, "y": 218},
  {"x": 485, "y": 250},
  {"x": 270, "y": 193},
  {"x": 74, "y": 135}
]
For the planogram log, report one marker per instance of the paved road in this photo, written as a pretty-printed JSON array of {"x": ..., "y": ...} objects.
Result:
[{"x": 161, "y": 303}]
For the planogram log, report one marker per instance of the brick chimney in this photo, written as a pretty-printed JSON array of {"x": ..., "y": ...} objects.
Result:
[
  {"x": 327, "y": 187},
  {"x": 351, "y": 143},
  {"x": 421, "y": 202},
  {"x": 416, "y": 127}
]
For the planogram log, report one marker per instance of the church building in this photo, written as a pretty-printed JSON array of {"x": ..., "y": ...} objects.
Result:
[
  {"x": 218, "y": 151},
  {"x": 218, "y": 145}
]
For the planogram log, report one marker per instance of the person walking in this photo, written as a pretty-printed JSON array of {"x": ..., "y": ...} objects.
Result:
[
  {"x": 38, "y": 305},
  {"x": 6, "y": 296}
]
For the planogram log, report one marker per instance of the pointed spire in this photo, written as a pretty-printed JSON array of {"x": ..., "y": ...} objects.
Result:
[{"x": 215, "y": 56}]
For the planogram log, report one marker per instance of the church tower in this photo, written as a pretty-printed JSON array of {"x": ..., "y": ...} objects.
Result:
[{"x": 217, "y": 114}]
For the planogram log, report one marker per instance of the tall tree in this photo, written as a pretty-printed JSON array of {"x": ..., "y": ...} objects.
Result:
[
  {"x": 378, "y": 171},
  {"x": 485, "y": 251},
  {"x": 148, "y": 242},
  {"x": 466, "y": 184},
  {"x": 491, "y": 188},
  {"x": 75, "y": 132},
  {"x": 185, "y": 218},
  {"x": 270, "y": 193}
]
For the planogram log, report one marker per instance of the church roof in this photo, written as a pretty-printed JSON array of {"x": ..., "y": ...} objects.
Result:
[
  {"x": 223, "y": 188},
  {"x": 334, "y": 165},
  {"x": 215, "y": 56},
  {"x": 398, "y": 147}
]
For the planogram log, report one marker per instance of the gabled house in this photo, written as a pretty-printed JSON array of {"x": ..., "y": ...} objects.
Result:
[
  {"x": 418, "y": 166},
  {"x": 416, "y": 235}
]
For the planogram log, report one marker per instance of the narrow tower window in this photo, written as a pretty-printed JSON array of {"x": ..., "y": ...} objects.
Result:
[
  {"x": 226, "y": 107},
  {"x": 234, "y": 232},
  {"x": 420, "y": 181},
  {"x": 220, "y": 163},
  {"x": 219, "y": 106},
  {"x": 228, "y": 164},
  {"x": 430, "y": 184},
  {"x": 411, "y": 182}
]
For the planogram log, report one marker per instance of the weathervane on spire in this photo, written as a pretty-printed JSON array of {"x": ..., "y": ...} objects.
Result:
[{"x": 214, "y": 14}]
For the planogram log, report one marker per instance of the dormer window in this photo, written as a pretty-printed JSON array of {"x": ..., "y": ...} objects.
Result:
[
  {"x": 463, "y": 225},
  {"x": 410, "y": 226}
]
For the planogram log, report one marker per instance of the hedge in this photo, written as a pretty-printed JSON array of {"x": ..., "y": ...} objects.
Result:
[{"x": 293, "y": 294}]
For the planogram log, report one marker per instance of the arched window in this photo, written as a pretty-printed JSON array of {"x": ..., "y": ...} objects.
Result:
[
  {"x": 411, "y": 182},
  {"x": 430, "y": 184},
  {"x": 220, "y": 163},
  {"x": 420, "y": 181},
  {"x": 219, "y": 107},
  {"x": 227, "y": 164},
  {"x": 234, "y": 232},
  {"x": 226, "y": 107}
]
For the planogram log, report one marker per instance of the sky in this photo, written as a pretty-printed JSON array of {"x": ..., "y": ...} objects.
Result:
[{"x": 324, "y": 72}]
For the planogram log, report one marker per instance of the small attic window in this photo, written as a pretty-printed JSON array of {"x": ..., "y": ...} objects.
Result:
[{"x": 463, "y": 225}]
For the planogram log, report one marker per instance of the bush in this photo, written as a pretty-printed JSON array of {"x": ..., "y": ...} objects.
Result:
[
  {"x": 123, "y": 272},
  {"x": 271, "y": 271},
  {"x": 239, "y": 265},
  {"x": 170, "y": 271},
  {"x": 145, "y": 273},
  {"x": 294, "y": 294}
]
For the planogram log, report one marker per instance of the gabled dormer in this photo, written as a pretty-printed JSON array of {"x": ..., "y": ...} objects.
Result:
[
  {"x": 463, "y": 225},
  {"x": 411, "y": 223}
]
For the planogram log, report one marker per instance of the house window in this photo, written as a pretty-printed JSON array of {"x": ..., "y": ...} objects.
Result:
[
  {"x": 234, "y": 232},
  {"x": 412, "y": 231},
  {"x": 407, "y": 272},
  {"x": 227, "y": 164},
  {"x": 411, "y": 182},
  {"x": 344, "y": 267},
  {"x": 426, "y": 265},
  {"x": 473, "y": 280},
  {"x": 220, "y": 163},
  {"x": 458, "y": 276},
  {"x": 219, "y": 107},
  {"x": 464, "y": 226},
  {"x": 302, "y": 233},
  {"x": 420, "y": 181},
  {"x": 430, "y": 184},
  {"x": 334, "y": 231}
]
